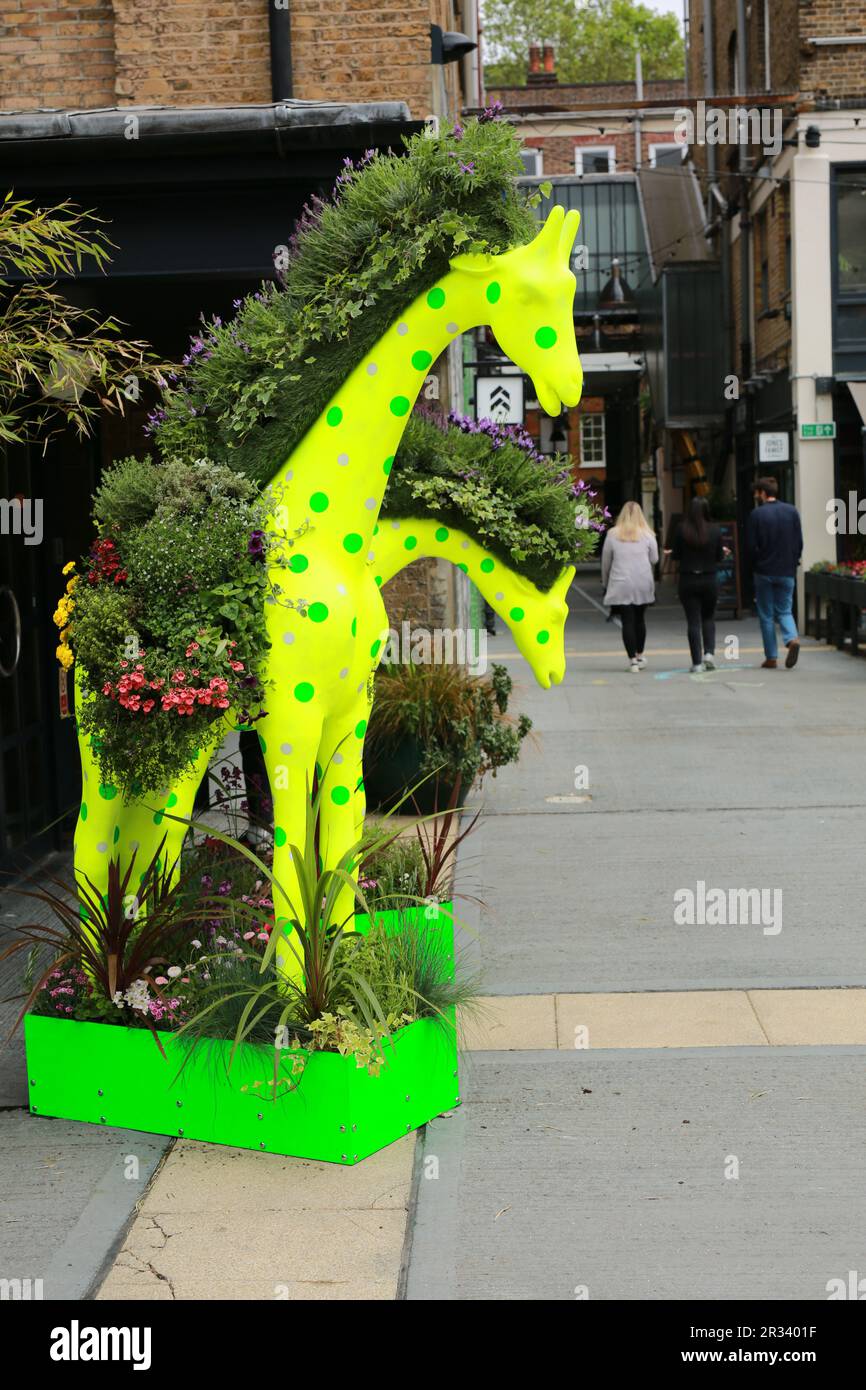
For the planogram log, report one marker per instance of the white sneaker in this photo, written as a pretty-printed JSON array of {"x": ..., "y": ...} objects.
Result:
[
  {"x": 641, "y": 661},
  {"x": 635, "y": 667},
  {"x": 709, "y": 661},
  {"x": 696, "y": 670}
]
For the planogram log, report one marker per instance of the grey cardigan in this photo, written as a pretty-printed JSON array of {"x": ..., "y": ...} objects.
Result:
[{"x": 626, "y": 570}]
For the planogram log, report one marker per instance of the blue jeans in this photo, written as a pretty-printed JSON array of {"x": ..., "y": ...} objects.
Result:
[{"x": 774, "y": 595}]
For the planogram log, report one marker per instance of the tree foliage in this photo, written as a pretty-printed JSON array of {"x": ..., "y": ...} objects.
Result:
[
  {"x": 595, "y": 40},
  {"x": 59, "y": 363}
]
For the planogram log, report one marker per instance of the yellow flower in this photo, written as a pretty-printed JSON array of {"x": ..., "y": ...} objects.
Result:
[
  {"x": 72, "y": 583},
  {"x": 64, "y": 656},
  {"x": 67, "y": 568}
]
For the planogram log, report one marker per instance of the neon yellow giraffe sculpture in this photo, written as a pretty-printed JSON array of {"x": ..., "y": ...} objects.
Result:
[{"x": 325, "y": 648}]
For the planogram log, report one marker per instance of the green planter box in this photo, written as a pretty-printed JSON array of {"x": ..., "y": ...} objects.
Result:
[
  {"x": 839, "y": 587},
  {"x": 106, "y": 1075},
  {"x": 335, "y": 1111}
]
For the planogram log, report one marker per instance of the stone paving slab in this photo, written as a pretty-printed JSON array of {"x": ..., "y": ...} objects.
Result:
[
  {"x": 225, "y": 1223},
  {"x": 67, "y": 1192},
  {"x": 603, "y": 1174}
]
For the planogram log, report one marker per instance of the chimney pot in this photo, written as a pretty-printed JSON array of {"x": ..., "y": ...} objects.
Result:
[
  {"x": 548, "y": 58},
  {"x": 534, "y": 58}
]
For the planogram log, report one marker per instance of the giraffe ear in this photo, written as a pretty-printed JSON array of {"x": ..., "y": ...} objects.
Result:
[{"x": 472, "y": 263}]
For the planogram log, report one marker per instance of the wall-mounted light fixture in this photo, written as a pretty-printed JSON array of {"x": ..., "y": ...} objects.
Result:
[{"x": 447, "y": 46}]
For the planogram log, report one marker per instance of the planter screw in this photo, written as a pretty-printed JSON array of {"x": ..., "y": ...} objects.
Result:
[
  {"x": 180, "y": 1131},
  {"x": 32, "y": 1083},
  {"x": 179, "y": 1104},
  {"x": 260, "y": 1117},
  {"x": 342, "y": 1129},
  {"x": 35, "y": 1111},
  {"x": 354, "y": 1127},
  {"x": 408, "y": 1128},
  {"x": 355, "y": 1157},
  {"x": 408, "y": 1097},
  {"x": 261, "y": 1143},
  {"x": 344, "y": 1157},
  {"x": 102, "y": 1119},
  {"x": 100, "y": 1093}
]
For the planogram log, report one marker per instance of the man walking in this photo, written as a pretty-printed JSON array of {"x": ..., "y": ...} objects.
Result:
[{"x": 775, "y": 543}]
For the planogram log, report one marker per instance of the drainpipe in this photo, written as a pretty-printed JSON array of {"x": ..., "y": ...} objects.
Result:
[
  {"x": 745, "y": 218},
  {"x": 471, "y": 85},
  {"x": 638, "y": 82},
  {"x": 280, "y": 29}
]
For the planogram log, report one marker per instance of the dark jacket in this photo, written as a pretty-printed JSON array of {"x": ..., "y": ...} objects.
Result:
[
  {"x": 698, "y": 559},
  {"x": 774, "y": 539}
]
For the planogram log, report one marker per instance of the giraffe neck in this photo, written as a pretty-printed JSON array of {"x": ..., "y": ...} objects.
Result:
[{"x": 340, "y": 469}]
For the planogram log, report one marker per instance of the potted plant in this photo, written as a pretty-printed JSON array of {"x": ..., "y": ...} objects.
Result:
[{"x": 441, "y": 727}]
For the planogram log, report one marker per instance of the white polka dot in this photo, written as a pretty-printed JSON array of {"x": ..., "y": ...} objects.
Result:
[
  {"x": 285, "y": 748},
  {"x": 371, "y": 555},
  {"x": 344, "y": 673},
  {"x": 102, "y": 847},
  {"x": 134, "y": 845},
  {"x": 290, "y": 475},
  {"x": 338, "y": 757},
  {"x": 360, "y": 687},
  {"x": 464, "y": 545},
  {"x": 402, "y": 329},
  {"x": 500, "y": 597},
  {"x": 372, "y": 369},
  {"x": 395, "y": 526},
  {"x": 288, "y": 638},
  {"x": 341, "y": 588},
  {"x": 370, "y": 504},
  {"x": 342, "y": 460},
  {"x": 451, "y": 328}
]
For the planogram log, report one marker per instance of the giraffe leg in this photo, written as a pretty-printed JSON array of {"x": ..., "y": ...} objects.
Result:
[
  {"x": 343, "y": 801},
  {"x": 291, "y": 767}
]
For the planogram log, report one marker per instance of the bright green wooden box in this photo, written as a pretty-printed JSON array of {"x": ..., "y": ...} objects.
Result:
[{"x": 103, "y": 1074}]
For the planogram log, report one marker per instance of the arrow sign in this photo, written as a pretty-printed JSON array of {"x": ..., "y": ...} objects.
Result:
[{"x": 499, "y": 398}]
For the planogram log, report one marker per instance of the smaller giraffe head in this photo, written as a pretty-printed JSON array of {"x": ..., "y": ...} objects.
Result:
[
  {"x": 539, "y": 632},
  {"x": 530, "y": 297}
]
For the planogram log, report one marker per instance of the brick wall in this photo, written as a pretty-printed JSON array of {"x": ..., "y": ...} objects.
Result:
[
  {"x": 837, "y": 71},
  {"x": 55, "y": 53},
  {"x": 772, "y": 329},
  {"x": 419, "y": 595},
  {"x": 567, "y": 95}
]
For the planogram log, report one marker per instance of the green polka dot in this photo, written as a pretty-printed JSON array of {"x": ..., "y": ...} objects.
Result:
[
  {"x": 436, "y": 298},
  {"x": 334, "y": 416},
  {"x": 262, "y": 744},
  {"x": 360, "y": 728},
  {"x": 546, "y": 337},
  {"x": 280, "y": 836},
  {"x": 340, "y": 795},
  {"x": 399, "y": 405},
  {"x": 374, "y": 650},
  {"x": 116, "y": 834},
  {"x": 388, "y": 464},
  {"x": 543, "y": 637},
  {"x": 157, "y": 820},
  {"x": 410, "y": 542},
  {"x": 487, "y": 566},
  {"x": 494, "y": 290},
  {"x": 441, "y": 533},
  {"x": 517, "y": 615},
  {"x": 84, "y": 914},
  {"x": 83, "y": 811},
  {"x": 304, "y": 692},
  {"x": 318, "y": 767},
  {"x": 298, "y": 564},
  {"x": 421, "y": 361},
  {"x": 354, "y": 627},
  {"x": 352, "y": 542},
  {"x": 317, "y": 612},
  {"x": 107, "y": 792},
  {"x": 172, "y": 801},
  {"x": 464, "y": 568},
  {"x": 319, "y": 502},
  {"x": 379, "y": 580}
]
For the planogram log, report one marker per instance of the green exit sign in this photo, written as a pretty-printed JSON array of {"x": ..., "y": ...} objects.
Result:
[{"x": 823, "y": 430}]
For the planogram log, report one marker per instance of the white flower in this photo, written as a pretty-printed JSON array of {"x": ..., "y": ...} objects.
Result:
[
  {"x": 196, "y": 944},
  {"x": 117, "y": 998},
  {"x": 173, "y": 972}
]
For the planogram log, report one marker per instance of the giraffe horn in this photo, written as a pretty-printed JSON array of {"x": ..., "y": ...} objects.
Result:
[
  {"x": 549, "y": 235},
  {"x": 568, "y": 232}
]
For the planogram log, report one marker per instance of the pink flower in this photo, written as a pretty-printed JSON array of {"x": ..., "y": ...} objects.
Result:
[{"x": 160, "y": 980}]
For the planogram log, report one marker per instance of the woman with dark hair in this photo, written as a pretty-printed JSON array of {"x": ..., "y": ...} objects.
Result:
[{"x": 698, "y": 550}]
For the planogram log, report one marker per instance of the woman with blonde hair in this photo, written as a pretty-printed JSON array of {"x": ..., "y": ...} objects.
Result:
[{"x": 630, "y": 551}]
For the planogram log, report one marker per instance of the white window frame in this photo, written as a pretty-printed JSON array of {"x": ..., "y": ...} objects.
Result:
[
  {"x": 581, "y": 150},
  {"x": 601, "y": 437},
  {"x": 539, "y": 161},
  {"x": 663, "y": 145}
]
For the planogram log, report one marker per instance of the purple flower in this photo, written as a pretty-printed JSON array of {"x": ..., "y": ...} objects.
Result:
[
  {"x": 491, "y": 112},
  {"x": 457, "y": 132},
  {"x": 467, "y": 168},
  {"x": 256, "y": 547}
]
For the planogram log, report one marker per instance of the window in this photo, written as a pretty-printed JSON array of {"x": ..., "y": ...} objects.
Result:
[
  {"x": 595, "y": 159},
  {"x": 666, "y": 155},
  {"x": 851, "y": 230},
  {"x": 592, "y": 441},
  {"x": 763, "y": 249},
  {"x": 533, "y": 161}
]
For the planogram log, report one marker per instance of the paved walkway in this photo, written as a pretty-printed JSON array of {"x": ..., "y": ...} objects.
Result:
[{"x": 654, "y": 1110}]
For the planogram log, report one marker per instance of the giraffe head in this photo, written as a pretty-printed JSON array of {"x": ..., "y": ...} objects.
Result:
[
  {"x": 529, "y": 295},
  {"x": 537, "y": 624}
]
